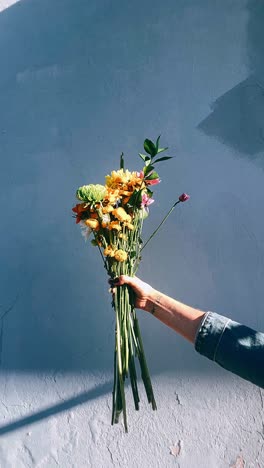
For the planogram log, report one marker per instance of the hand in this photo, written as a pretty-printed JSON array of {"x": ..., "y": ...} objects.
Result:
[
  {"x": 142, "y": 290},
  {"x": 182, "y": 318}
]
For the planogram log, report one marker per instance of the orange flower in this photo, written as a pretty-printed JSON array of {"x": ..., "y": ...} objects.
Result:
[
  {"x": 121, "y": 214},
  {"x": 115, "y": 225},
  {"x": 123, "y": 180},
  {"x": 112, "y": 195},
  {"x": 129, "y": 225},
  {"x": 120, "y": 255},
  {"x": 127, "y": 193},
  {"x": 92, "y": 223},
  {"x": 107, "y": 209},
  {"x": 109, "y": 251},
  {"x": 79, "y": 209}
]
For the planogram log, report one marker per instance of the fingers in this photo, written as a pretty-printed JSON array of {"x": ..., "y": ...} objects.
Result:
[{"x": 122, "y": 279}]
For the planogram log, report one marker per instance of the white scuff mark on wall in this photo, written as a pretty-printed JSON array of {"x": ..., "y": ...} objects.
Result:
[{"x": 175, "y": 450}]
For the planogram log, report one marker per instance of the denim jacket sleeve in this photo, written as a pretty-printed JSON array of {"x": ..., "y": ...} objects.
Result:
[{"x": 233, "y": 346}]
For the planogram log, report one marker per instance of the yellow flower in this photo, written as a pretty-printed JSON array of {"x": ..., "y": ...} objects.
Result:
[
  {"x": 121, "y": 214},
  {"x": 107, "y": 209},
  {"x": 115, "y": 225},
  {"x": 92, "y": 223},
  {"x": 129, "y": 225},
  {"x": 112, "y": 195},
  {"x": 122, "y": 236},
  {"x": 120, "y": 255},
  {"x": 125, "y": 180},
  {"x": 135, "y": 181},
  {"x": 109, "y": 251},
  {"x": 117, "y": 178},
  {"x": 125, "y": 193}
]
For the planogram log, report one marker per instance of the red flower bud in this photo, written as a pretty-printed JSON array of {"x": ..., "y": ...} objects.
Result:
[{"x": 184, "y": 197}]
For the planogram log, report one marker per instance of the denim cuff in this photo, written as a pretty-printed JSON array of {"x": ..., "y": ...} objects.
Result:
[{"x": 209, "y": 334}]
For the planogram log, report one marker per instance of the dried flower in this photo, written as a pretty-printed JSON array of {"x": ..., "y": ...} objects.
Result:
[
  {"x": 107, "y": 209},
  {"x": 109, "y": 251},
  {"x": 121, "y": 214},
  {"x": 115, "y": 225},
  {"x": 120, "y": 255},
  {"x": 124, "y": 180},
  {"x": 184, "y": 197},
  {"x": 92, "y": 223},
  {"x": 129, "y": 225}
]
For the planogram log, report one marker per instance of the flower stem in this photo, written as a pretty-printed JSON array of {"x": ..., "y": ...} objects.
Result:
[
  {"x": 114, "y": 391},
  {"x": 159, "y": 226},
  {"x": 144, "y": 367}
]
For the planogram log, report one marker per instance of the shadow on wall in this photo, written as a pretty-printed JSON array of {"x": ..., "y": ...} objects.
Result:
[
  {"x": 66, "y": 405},
  {"x": 237, "y": 117}
]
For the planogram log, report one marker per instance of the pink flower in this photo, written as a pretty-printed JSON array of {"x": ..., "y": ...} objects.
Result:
[
  {"x": 152, "y": 181},
  {"x": 146, "y": 201},
  {"x": 184, "y": 197},
  {"x": 140, "y": 174}
]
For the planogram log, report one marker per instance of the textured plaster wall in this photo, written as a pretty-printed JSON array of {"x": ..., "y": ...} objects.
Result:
[{"x": 80, "y": 82}]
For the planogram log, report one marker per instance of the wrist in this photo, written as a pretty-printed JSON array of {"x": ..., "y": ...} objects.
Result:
[{"x": 153, "y": 301}]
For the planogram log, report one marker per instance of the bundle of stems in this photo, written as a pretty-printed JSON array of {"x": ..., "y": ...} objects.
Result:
[{"x": 128, "y": 340}]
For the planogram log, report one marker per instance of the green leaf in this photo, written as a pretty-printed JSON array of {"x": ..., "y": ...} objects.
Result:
[
  {"x": 163, "y": 159},
  {"x": 153, "y": 175},
  {"x": 134, "y": 199},
  {"x": 148, "y": 169},
  {"x": 150, "y": 148},
  {"x": 157, "y": 143},
  {"x": 147, "y": 161},
  {"x": 143, "y": 156},
  {"x": 122, "y": 162},
  {"x": 160, "y": 150}
]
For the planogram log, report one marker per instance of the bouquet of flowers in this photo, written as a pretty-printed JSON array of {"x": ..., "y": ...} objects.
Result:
[{"x": 114, "y": 214}]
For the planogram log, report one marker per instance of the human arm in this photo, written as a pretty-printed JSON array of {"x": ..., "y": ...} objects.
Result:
[
  {"x": 182, "y": 318},
  {"x": 233, "y": 346}
]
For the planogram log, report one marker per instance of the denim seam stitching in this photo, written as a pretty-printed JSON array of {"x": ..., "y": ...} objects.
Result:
[
  {"x": 203, "y": 330},
  {"x": 200, "y": 329}
]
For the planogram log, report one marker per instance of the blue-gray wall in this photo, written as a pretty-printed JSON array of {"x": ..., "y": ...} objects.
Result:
[{"x": 80, "y": 82}]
